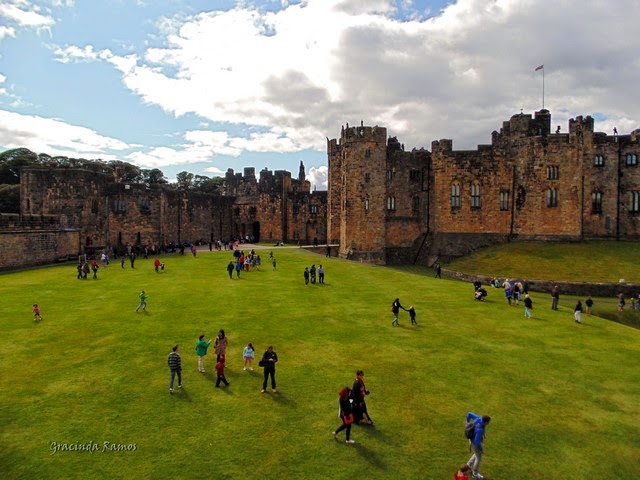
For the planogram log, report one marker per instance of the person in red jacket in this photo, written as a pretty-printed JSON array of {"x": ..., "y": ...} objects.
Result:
[
  {"x": 220, "y": 372},
  {"x": 462, "y": 473},
  {"x": 345, "y": 413}
]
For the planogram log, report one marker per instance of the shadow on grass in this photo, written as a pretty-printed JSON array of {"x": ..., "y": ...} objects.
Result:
[
  {"x": 181, "y": 394},
  {"x": 370, "y": 455}
]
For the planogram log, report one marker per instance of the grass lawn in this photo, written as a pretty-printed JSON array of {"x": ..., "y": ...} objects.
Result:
[{"x": 563, "y": 397}]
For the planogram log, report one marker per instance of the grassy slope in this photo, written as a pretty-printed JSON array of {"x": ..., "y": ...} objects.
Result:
[
  {"x": 581, "y": 262},
  {"x": 563, "y": 397}
]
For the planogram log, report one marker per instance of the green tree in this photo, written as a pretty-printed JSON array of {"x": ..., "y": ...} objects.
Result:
[
  {"x": 185, "y": 180},
  {"x": 154, "y": 176}
]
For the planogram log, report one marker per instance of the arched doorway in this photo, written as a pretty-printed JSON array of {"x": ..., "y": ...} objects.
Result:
[{"x": 256, "y": 232}]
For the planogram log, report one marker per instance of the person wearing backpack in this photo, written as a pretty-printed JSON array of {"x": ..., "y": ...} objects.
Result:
[{"x": 474, "y": 430}]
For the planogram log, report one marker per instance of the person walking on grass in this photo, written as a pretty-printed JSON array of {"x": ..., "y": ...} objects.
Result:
[
  {"x": 555, "y": 296},
  {"x": 345, "y": 414},
  {"x": 36, "y": 313},
  {"x": 248, "y": 354},
  {"x": 143, "y": 301},
  {"x": 220, "y": 372},
  {"x": 358, "y": 392},
  {"x": 221, "y": 344},
  {"x": 175, "y": 365},
  {"x": 577, "y": 312},
  {"x": 230, "y": 269},
  {"x": 268, "y": 362},
  {"x": 528, "y": 305},
  {"x": 201, "y": 350},
  {"x": 395, "y": 308},
  {"x": 475, "y": 443},
  {"x": 589, "y": 303}
]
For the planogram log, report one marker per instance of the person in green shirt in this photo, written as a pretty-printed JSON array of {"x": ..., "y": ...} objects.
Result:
[
  {"x": 143, "y": 302},
  {"x": 201, "y": 350}
]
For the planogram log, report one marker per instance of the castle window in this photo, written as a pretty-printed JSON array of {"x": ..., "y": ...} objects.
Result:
[
  {"x": 314, "y": 209},
  {"x": 415, "y": 206},
  {"x": 391, "y": 203},
  {"x": 504, "y": 200},
  {"x": 144, "y": 205},
  {"x": 455, "y": 195},
  {"x": 475, "y": 195},
  {"x": 366, "y": 204},
  {"x": 94, "y": 206},
  {"x": 391, "y": 173},
  {"x": 598, "y": 161},
  {"x": 367, "y": 177},
  {"x": 296, "y": 209},
  {"x": 414, "y": 174},
  {"x": 367, "y": 153},
  {"x": 553, "y": 172},
  {"x": 552, "y": 198},
  {"x": 634, "y": 204},
  {"x": 631, "y": 159},
  {"x": 596, "y": 202},
  {"x": 119, "y": 205}
]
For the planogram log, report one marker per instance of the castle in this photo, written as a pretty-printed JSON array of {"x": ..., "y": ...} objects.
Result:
[
  {"x": 387, "y": 205},
  {"x": 65, "y": 212},
  {"x": 384, "y": 205}
]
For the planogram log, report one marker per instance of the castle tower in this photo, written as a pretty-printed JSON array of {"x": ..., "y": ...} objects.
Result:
[{"x": 357, "y": 192}]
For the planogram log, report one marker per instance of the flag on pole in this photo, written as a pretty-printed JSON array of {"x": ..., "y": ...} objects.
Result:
[{"x": 539, "y": 68}]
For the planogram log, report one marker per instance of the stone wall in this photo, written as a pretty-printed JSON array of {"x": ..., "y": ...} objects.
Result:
[{"x": 27, "y": 248}]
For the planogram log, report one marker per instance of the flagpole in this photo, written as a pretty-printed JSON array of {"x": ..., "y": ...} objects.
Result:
[{"x": 541, "y": 67}]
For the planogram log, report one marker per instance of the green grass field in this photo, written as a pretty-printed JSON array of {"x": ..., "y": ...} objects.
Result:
[{"x": 563, "y": 397}]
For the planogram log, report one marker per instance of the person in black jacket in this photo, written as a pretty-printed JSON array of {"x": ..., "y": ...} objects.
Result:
[
  {"x": 358, "y": 393},
  {"x": 345, "y": 413},
  {"x": 268, "y": 362}
]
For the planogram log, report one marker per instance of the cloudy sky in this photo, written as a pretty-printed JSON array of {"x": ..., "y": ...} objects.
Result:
[{"x": 207, "y": 85}]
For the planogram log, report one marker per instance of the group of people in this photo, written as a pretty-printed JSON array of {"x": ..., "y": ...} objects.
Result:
[
  {"x": 396, "y": 306},
  {"x": 244, "y": 262},
  {"x": 268, "y": 361},
  {"x": 310, "y": 274},
  {"x": 353, "y": 407}
]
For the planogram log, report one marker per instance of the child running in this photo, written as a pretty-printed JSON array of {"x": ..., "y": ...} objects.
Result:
[
  {"x": 36, "y": 313},
  {"x": 249, "y": 354}
]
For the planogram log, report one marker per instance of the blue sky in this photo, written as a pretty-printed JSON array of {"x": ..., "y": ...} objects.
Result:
[{"x": 204, "y": 86}]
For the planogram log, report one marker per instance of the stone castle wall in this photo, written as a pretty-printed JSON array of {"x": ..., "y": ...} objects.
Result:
[
  {"x": 528, "y": 184},
  {"x": 27, "y": 241}
]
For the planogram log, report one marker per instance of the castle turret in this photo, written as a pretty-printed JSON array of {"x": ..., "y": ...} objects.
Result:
[{"x": 357, "y": 192}]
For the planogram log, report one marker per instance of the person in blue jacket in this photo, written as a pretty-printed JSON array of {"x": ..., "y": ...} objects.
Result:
[{"x": 476, "y": 442}]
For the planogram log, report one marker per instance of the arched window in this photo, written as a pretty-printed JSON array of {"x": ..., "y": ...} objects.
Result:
[
  {"x": 504, "y": 200},
  {"x": 366, "y": 204},
  {"x": 598, "y": 161},
  {"x": 475, "y": 195},
  {"x": 553, "y": 172},
  {"x": 415, "y": 206},
  {"x": 631, "y": 159},
  {"x": 552, "y": 198},
  {"x": 634, "y": 202},
  {"x": 596, "y": 202},
  {"x": 455, "y": 195},
  {"x": 391, "y": 203}
]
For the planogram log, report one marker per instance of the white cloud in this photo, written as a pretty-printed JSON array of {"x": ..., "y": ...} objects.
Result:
[
  {"x": 457, "y": 75},
  {"x": 319, "y": 178},
  {"x": 55, "y": 137},
  {"x": 26, "y": 18},
  {"x": 6, "y": 31}
]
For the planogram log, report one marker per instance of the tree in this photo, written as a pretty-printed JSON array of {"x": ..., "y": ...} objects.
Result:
[
  {"x": 185, "y": 180},
  {"x": 208, "y": 185},
  {"x": 12, "y": 161},
  {"x": 154, "y": 176}
]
